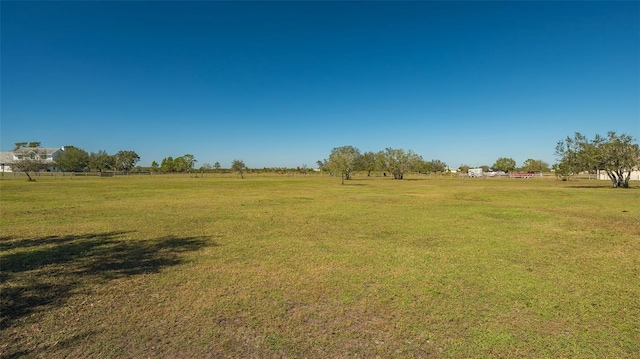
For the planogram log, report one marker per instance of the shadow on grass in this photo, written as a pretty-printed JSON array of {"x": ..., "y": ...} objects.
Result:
[{"x": 43, "y": 273}]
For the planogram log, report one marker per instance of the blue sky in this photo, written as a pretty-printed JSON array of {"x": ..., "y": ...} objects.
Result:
[{"x": 282, "y": 83}]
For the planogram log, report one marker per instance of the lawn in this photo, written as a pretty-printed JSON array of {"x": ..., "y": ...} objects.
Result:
[{"x": 303, "y": 267}]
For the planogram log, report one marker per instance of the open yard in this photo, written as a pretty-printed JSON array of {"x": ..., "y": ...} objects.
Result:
[{"x": 303, "y": 267}]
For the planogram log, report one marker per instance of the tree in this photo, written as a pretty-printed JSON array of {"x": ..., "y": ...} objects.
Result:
[
  {"x": 617, "y": 155},
  {"x": 562, "y": 170},
  {"x": 27, "y": 165},
  {"x": 189, "y": 161},
  {"x": 206, "y": 167},
  {"x": 537, "y": 166},
  {"x": 435, "y": 166},
  {"x": 238, "y": 166},
  {"x": 571, "y": 159},
  {"x": 167, "y": 164},
  {"x": 323, "y": 165},
  {"x": 126, "y": 160},
  {"x": 101, "y": 161},
  {"x": 398, "y": 162},
  {"x": 343, "y": 160},
  {"x": 367, "y": 162},
  {"x": 154, "y": 166},
  {"x": 73, "y": 159},
  {"x": 505, "y": 164},
  {"x": 216, "y": 166},
  {"x": 19, "y": 145},
  {"x": 179, "y": 164}
]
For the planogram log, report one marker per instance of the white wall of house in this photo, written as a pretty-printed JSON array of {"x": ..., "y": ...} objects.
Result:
[
  {"x": 635, "y": 175},
  {"x": 46, "y": 154}
]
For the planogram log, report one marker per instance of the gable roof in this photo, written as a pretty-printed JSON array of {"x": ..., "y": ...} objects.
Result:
[
  {"x": 38, "y": 150},
  {"x": 6, "y": 157}
]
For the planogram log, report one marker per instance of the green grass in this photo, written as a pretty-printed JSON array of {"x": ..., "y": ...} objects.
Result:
[{"x": 303, "y": 267}]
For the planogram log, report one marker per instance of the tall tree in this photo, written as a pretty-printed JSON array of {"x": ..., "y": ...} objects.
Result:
[
  {"x": 436, "y": 166},
  {"x": 238, "y": 166},
  {"x": 615, "y": 154},
  {"x": 538, "y": 166},
  {"x": 73, "y": 159},
  {"x": 189, "y": 161},
  {"x": 126, "y": 160},
  {"x": 367, "y": 162},
  {"x": 167, "y": 165},
  {"x": 618, "y": 156},
  {"x": 570, "y": 159},
  {"x": 101, "y": 161},
  {"x": 399, "y": 161},
  {"x": 505, "y": 164},
  {"x": 343, "y": 160}
]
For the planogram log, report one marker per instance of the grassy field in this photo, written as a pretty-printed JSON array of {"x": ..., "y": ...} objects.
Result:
[{"x": 303, "y": 267}]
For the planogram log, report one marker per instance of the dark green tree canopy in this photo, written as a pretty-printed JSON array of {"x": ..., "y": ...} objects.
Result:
[
  {"x": 19, "y": 145},
  {"x": 126, "y": 160},
  {"x": 73, "y": 159},
  {"x": 505, "y": 164},
  {"x": 101, "y": 161},
  {"x": 531, "y": 165},
  {"x": 435, "y": 166}
]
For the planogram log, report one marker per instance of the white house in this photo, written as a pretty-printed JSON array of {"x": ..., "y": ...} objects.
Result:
[
  {"x": 6, "y": 159},
  {"x": 602, "y": 175},
  {"x": 34, "y": 153}
]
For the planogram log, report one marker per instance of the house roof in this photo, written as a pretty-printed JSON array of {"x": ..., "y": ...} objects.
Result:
[
  {"x": 38, "y": 150},
  {"x": 6, "y": 157}
]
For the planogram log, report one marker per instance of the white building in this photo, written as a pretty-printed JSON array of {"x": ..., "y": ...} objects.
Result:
[
  {"x": 602, "y": 175},
  {"x": 33, "y": 153}
]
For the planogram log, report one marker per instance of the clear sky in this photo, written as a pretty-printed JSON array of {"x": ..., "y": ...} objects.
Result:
[{"x": 282, "y": 83}]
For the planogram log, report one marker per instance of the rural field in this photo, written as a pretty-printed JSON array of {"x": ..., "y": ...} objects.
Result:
[{"x": 303, "y": 267}]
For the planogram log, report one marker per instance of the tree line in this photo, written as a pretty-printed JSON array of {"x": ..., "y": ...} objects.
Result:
[
  {"x": 347, "y": 159},
  {"x": 397, "y": 162},
  {"x": 617, "y": 155}
]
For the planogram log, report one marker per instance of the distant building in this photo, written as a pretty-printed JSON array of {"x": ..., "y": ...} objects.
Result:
[
  {"x": 33, "y": 153},
  {"x": 475, "y": 172},
  {"x": 602, "y": 175},
  {"x": 6, "y": 159}
]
